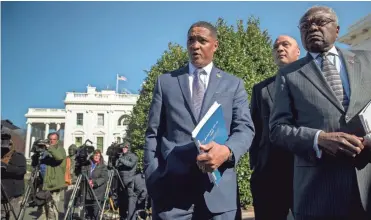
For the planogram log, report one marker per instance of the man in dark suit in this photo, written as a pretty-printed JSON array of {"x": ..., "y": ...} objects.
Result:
[
  {"x": 175, "y": 173},
  {"x": 271, "y": 179},
  {"x": 315, "y": 116}
]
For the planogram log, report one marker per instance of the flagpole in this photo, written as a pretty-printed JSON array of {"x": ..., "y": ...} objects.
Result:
[{"x": 117, "y": 82}]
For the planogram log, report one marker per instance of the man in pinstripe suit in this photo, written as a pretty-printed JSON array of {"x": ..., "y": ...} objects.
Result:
[{"x": 315, "y": 116}]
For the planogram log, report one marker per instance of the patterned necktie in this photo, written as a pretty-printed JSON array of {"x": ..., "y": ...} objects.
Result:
[
  {"x": 333, "y": 79},
  {"x": 198, "y": 92}
]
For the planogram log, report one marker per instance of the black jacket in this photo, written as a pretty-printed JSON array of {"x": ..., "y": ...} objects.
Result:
[
  {"x": 12, "y": 178},
  {"x": 100, "y": 179},
  {"x": 127, "y": 165}
]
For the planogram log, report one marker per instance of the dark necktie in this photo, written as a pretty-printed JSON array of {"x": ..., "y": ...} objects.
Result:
[
  {"x": 333, "y": 79},
  {"x": 198, "y": 92}
]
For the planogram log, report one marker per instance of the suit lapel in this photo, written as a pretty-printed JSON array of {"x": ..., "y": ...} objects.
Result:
[
  {"x": 270, "y": 89},
  {"x": 215, "y": 78},
  {"x": 353, "y": 68},
  {"x": 183, "y": 79},
  {"x": 312, "y": 72}
]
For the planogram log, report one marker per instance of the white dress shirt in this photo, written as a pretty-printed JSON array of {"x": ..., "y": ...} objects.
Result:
[{"x": 204, "y": 77}]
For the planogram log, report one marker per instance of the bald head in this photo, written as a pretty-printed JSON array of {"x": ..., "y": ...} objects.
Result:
[{"x": 285, "y": 50}]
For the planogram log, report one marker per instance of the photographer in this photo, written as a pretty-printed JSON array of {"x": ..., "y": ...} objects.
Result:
[
  {"x": 98, "y": 177},
  {"x": 70, "y": 176},
  {"x": 52, "y": 170},
  {"x": 126, "y": 165},
  {"x": 13, "y": 168}
]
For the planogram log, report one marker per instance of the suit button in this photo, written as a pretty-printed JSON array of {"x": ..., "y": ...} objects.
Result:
[{"x": 347, "y": 117}]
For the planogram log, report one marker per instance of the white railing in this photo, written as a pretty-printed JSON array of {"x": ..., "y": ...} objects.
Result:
[
  {"x": 80, "y": 95},
  {"x": 99, "y": 98},
  {"x": 44, "y": 110}
]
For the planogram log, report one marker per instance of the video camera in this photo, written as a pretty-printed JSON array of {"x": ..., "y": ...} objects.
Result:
[
  {"x": 83, "y": 154},
  {"x": 5, "y": 142},
  {"x": 5, "y": 136},
  {"x": 38, "y": 147},
  {"x": 113, "y": 152}
]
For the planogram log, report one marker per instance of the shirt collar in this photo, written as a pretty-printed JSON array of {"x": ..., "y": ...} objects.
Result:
[
  {"x": 207, "y": 68},
  {"x": 333, "y": 51}
]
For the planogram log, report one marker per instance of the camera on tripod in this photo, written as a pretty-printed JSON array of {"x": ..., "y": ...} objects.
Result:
[
  {"x": 5, "y": 136},
  {"x": 5, "y": 143},
  {"x": 38, "y": 148},
  {"x": 83, "y": 154},
  {"x": 113, "y": 152}
]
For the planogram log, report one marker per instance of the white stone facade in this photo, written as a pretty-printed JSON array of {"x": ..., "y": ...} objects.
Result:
[
  {"x": 97, "y": 116},
  {"x": 359, "y": 35}
]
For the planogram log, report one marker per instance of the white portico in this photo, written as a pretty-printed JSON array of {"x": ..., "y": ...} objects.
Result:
[
  {"x": 359, "y": 34},
  {"x": 99, "y": 116},
  {"x": 42, "y": 121}
]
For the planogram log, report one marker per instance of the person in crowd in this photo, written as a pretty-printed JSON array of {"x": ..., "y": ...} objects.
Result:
[
  {"x": 315, "y": 116},
  {"x": 126, "y": 164},
  {"x": 52, "y": 170},
  {"x": 13, "y": 169},
  {"x": 98, "y": 178},
  {"x": 71, "y": 176},
  {"x": 271, "y": 164},
  {"x": 176, "y": 174}
]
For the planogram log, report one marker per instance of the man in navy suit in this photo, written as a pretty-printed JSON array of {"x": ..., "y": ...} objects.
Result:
[{"x": 175, "y": 173}]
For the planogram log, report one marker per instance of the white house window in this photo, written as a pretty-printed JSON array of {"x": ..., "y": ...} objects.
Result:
[
  {"x": 78, "y": 141},
  {"x": 123, "y": 120},
  {"x": 100, "y": 119},
  {"x": 118, "y": 140},
  {"x": 79, "y": 119},
  {"x": 100, "y": 141}
]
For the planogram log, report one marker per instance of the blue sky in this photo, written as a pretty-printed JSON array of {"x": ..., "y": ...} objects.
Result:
[{"x": 50, "y": 48}]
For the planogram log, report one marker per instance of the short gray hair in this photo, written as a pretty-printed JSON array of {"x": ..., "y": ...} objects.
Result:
[{"x": 321, "y": 8}]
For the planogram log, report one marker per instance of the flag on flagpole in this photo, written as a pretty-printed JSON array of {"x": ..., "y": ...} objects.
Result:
[
  {"x": 123, "y": 78},
  {"x": 118, "y": 77}
]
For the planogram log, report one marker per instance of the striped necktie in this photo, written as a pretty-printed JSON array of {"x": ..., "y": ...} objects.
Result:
[
  {"x": 333, "y": 79},
  {"x": 198, "y": 92}
]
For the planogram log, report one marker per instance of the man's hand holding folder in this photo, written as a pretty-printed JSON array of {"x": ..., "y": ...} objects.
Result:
[{"x": 213, "y": 156}]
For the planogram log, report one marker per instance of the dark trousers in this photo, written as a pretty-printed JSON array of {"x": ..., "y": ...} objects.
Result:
[
  {"x": 91, "y": 209},
  {"x": 307, "y": 217},
  {"x": 356, "y": 213},
  {"x": 272, "y": 199},
  {"x": 127, "y": 201},
  {"x": 196, "y": 211}
]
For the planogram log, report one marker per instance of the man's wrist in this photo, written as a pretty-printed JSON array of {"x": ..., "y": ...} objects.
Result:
[{"x": 230, "y": 157}]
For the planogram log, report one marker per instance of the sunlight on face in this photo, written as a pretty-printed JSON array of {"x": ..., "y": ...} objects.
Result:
[{"x": 96, "y": 157}]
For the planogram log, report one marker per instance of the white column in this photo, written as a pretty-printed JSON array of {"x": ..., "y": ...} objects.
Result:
[
  {"x": 28, "y": 137},
  {"x": 58, "y": 126},
  {"x": 46, "y": 130}
]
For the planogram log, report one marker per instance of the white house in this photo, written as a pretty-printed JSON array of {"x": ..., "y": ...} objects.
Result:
[
  {"x": 95, "y": 116},
  {"x": 359, "y": 34}
]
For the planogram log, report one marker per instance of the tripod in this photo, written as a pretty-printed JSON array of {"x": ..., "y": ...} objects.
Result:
[
  {"x": 6, "y": 203},
  {"x": 82, "y": 183},
  {"x": 111, "y": 174},
  {"x": 145, "y": 213},
  {"x": 32, "y": 185}
]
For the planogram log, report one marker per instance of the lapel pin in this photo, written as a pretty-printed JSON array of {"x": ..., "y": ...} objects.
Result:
[{"x": 218, "y": 75}]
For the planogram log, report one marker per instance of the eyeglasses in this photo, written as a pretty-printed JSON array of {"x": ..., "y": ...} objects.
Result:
[{"x": 318, "y": 23}]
